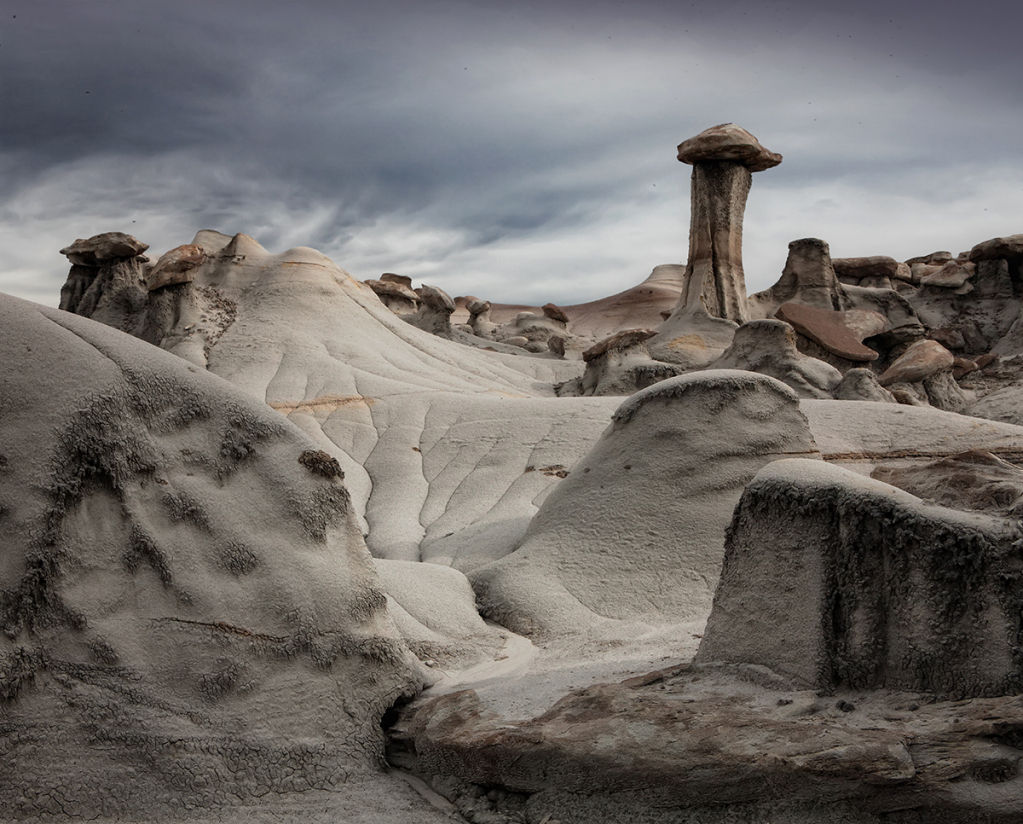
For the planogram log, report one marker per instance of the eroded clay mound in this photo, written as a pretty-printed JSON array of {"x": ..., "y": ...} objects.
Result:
[
  {"x": 636, "y": 531},
  {"x": 189, "y": 614},
  {"x": 836, "y": 580}
]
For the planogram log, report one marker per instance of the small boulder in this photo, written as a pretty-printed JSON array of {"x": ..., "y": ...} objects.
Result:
[
  {"x": 554, "y": 313},
  {"x": 923, "y": 359}
]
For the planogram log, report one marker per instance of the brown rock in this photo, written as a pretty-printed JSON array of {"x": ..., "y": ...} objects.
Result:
[
  {"x": 556, "y": 344},
  {"x": 989, "y": 359},
  {"x": 963, "y": 366},
  {"x": 392, "y": 288},
  {"x": 101, "y": 248},
  {"x": 176, "y": 266},
  {"x": 390, "y": 277},
  {"x": 555, "y": 312},
  {"x": 830, "y": 329},
  {"x": 1010, "y": 247},
  {"x": 727, "y": 142},
  {"x": 923, "y": 359},
  {"x": 877, "y": 266},
  {"x": 623, "y": 340}
]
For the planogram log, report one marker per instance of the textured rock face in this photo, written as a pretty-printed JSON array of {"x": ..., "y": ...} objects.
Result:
[
  {"x": 974, "y": 480},
  {"x": 635, "y": 531},
  {"x": 717, "y": 745},
  {"x": 189, "y": 613},
  {"x": 769, "y": 347},
  {"x": 834, "y": 580},
  {"x": 714, "y": 272}
]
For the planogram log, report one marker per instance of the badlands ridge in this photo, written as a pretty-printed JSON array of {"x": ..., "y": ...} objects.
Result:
[{"x": 283, "y": 545}]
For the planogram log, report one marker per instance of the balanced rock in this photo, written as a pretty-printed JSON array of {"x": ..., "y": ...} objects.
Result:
[
  {"x": 921, "y": 360},
  {"x": 390, "y": 277},
  {"x": 730, "y": 143},
  {"x": 833, "y": 331},
  {"x": 176, "y": 266},
  {"x": 723, "y": 159},
  {"x": 99, "y": 249},
  {"x": 619, "y": 365},
  {"x": 395, "y": 295}
]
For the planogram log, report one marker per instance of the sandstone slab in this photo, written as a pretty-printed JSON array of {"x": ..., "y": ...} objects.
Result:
[
  {"x": 176, "y": 266},
  {"x": 99, "y": 249},
  {"x": 833, "y": 331},
  {"x": 728, "y": 142}
]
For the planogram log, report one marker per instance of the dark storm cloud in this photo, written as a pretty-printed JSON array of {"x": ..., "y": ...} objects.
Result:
[{"x": 468, "y": 140}]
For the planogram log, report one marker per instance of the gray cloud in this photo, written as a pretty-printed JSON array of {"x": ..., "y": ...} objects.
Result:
[{"x": 518, "y": 151}]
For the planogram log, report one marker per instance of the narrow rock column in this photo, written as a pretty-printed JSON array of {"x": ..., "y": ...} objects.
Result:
[{"x": 723, "y": 160}]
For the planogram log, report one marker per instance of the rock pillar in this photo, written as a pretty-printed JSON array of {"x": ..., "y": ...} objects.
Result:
[{"x": 723, "y": 160}]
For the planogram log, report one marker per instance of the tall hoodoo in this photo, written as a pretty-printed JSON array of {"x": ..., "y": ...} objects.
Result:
[{"x": 723, "y": 160}]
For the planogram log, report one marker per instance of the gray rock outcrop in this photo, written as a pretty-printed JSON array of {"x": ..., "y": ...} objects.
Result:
[
  {"x": 190, "y": 617},
  {"x": 834, "y": 580},
  {"x": 635, "y": 530},
  {"x": 769, "y": 347}
]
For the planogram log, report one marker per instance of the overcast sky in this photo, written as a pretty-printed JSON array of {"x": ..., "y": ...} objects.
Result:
[{"x": 517, "y": 151}]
